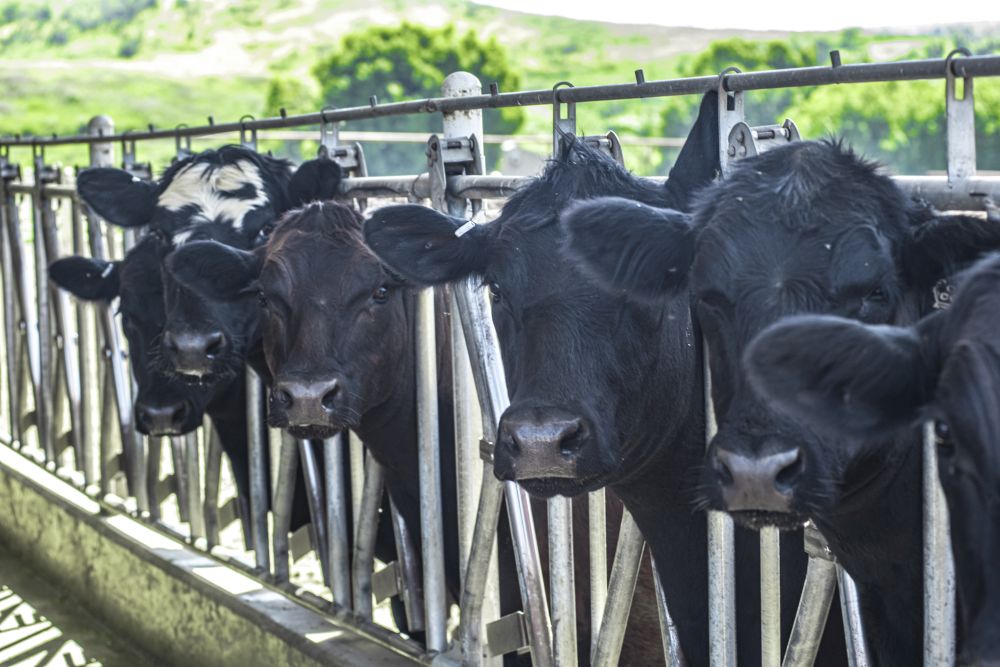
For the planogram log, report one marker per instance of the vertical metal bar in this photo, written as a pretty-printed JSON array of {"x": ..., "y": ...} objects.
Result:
[
  {"x": 854, "y": 631},
  {"x": 624, "y": 572},
  {"x": 365, "y": 531},
  {"x": 939, "y": 568},
  {"x": 961, "y": 129},
  {"x": 468, "y": 429},
  {"x": 182, "y": 483},
  {"x": 431, "y": 505},
  {"x": 317, "y": 512},
  {"x": 721, "y": 559},
  {"x": 87, "y": 351},
  {"x": 43, "y": 387},
  {"x": 598, "y": 549},
  {"x": 259, "y": 493},
  {"x": 357, "y": 461},
  {"x": 338, "y": 543},
  {"x": 284, "y": 494},
  {"x": 770, "y": 597},
  {"x": 814, "y": 605},
  {"x": 561, "y": 583},
  {"x": 12, "y": 330},
  {"x": 213, "y": 480},
  {"x": 154, "y": 455},
  {"x": 196, "y": 509}
]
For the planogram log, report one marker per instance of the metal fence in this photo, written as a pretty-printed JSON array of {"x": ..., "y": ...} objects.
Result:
[{"x": 68, "y": 401}]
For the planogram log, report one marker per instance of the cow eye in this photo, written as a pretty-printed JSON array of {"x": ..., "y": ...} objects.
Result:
[
  {"x": 381, "y": 295},
  {"x": 876, "y": 294},
  {"x": 495, "y": 295},
  {"x": 264, "y": 232},
  {"x": 261, "y": 299},
  {"x": 942, "y": 438}
]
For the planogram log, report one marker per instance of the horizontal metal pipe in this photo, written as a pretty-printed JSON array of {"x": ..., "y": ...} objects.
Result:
[{"x": 786, "y": 78}]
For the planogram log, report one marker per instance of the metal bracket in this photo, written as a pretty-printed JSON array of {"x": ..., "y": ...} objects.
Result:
[
  {"x": 350, "y": 157},
  {"x": 486, "y": 450},
  {"x": 9, "y": 171},
  {"x": 815, "y": 544},
  {"x": 566, "y": 125},
  {"x": 507, "y": 635},
  {"x": 140, "y": 170},
  {"x": 730, "y": 113},
  {"x": 745, "y": 141},
  {"x": 961, "y": 115},
  {"x": 248, "y": 138},
  {"x": 449, "y": 157},
  {"x": 387, "y": 582},
  {"x": 182, "y": 145}
]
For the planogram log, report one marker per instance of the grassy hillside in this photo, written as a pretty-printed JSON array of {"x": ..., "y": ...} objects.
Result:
[{"x": 177, "y": 61}]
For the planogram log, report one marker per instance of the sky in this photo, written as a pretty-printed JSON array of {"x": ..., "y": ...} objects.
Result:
[{"x": 821, "y": 15}]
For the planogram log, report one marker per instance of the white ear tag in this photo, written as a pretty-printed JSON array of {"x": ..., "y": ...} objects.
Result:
[
  {"x": 477, "y": 219},
  {"x": 107, "y": 270}
]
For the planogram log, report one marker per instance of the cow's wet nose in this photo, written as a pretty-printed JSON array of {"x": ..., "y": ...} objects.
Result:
[
  {"x": 306, "y": 403},
  {"x": 757, "y": 482},
  {"x": 537, "y": 443},
  {"x": 161, "y": 419},
  {"x": 193, "y": 353}
]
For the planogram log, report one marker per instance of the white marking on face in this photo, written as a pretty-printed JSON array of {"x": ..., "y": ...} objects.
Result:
[
  {"x": 192, "y": 187},
  {"x": 183, "y": 236}
]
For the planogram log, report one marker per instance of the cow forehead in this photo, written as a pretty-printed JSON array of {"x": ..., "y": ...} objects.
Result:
[{"x": 216, "y": 193}]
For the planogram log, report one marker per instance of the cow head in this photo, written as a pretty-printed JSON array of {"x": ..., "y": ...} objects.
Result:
[
  {"x": 587, "y": 370},
  {"x": 207, "y": 336},
  {"x": 853, "y": 378},
  {"x": 164, "y": 405},
  {"x": 805, "y": 228}
]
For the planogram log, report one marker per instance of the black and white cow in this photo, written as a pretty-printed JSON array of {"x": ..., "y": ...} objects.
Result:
[
  {"x": 856, "y": 379},
  {"x": 605, "y": 390},
  {"x": 806, "y": 228}
]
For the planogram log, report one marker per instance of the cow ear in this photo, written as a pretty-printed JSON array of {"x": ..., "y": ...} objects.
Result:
[
  {"x": 314, "y": 180},
  {"x": 841, "y": 374},
  {"x": 698, "y": 162},
  {"x": 626, "y": 245},
  {"x": 419, "y": 244},
  {"x": 215, "y": 270},
  {"x": 89, "y": 279},
  {"x": 941, "y": 244},
  {"x": 117, "y": 196}
]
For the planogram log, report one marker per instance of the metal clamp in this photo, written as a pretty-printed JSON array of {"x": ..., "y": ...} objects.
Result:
[
  {"x": 449, "y": 157},
  {"x": 182, "y": 144},
  {"x": 140, "y": 170},
  {"x": 746, "y": 141},
  {"x": 9, "y": 171},
  {"x": 730, "y": 113},
  {"x": 248, "y": 138},
  {"x": 561, "y": 126},
  {"x": 961, "y": 114},
  {"x": 486, "y": 450},
  {"x": 815, "y": 544}
]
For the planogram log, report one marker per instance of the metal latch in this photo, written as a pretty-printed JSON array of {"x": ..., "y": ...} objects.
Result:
[
  {"x": 745, "y": 141},
  {"x": 507, "y": 635}
]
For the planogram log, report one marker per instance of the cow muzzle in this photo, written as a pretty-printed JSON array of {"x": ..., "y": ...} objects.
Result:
[
  {"x": 762, "y": 483},
  {"x": 306, "y": 403},
  {"x": 539, "y": 443},
  {"x": 194, "y": 353},
  {"x": 161, "y": 420}
]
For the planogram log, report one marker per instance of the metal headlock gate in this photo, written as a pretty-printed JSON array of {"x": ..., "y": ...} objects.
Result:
[{"x": 69, "y": 399}]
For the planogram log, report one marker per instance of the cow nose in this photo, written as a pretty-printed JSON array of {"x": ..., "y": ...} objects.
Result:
[
  {"x": 757, "y": 482},
  {"x": 161, "y": 419},
  {"x": 306, "y": 403},
  {"x": 192, "y": 353},
  {"x": 539, "y": 443}
]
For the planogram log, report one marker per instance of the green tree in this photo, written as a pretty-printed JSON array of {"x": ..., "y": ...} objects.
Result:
[{"x": 406, "y": 62}]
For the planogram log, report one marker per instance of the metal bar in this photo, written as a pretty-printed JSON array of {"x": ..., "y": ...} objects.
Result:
[
  {"x": 43, "y": 386},
  {"x": 854, "y": 631},
  {"x": 561, "y": 580},
  {"x": 721, "y": 558},
  {"x": 284, "y": 494},
  {"x": 196, "y": 508},
  {"x": 154, "y": 454},
  {"x": 939, "y": 568},
  {"x": 87, "y": 352},
  {"x": 468, "y": 429},
  {"x": 412, "y": 590},
  {"x": 624, "y": 573},
  {"x": 770, "y": 597},
  {"x": 213, "y": 480},
  {"x": 12, "y": 317},
  {"x": 365, "y": 531},
  {"x": 317, "y": 506},
  {"x": 431, "y": 504},
  {"x": 672, "y": 653},
  {"x": 357, "y": 473},
  {"x": 814, "y": 608},
  {"x": 597, "y": 540},
  {"x": 935, "y": 68},
  {"x": 181, "y": 476},
  {"x": 257, "y": 451},
  {"x": 338, "y": 540}
]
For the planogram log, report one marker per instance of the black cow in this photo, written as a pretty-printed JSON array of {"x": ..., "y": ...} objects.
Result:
[
  {"x": 857, "y": 379},
  {"x": 808, "y": 227},
  {"x": 605, "y": 391}
]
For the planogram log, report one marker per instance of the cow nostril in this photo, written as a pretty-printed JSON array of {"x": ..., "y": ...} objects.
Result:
[
  {"x": 789, "y": 474},
  {"x": 169, "y": 342},
  {"x": 179, "y": 413},
  {"x": 572, "y": 438},
  {"x": 214, "y": 344},
  {"x": 330, "y": 396},
  {"x": 721, "y": 469},
  {"x": 281, "y": 397}
]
